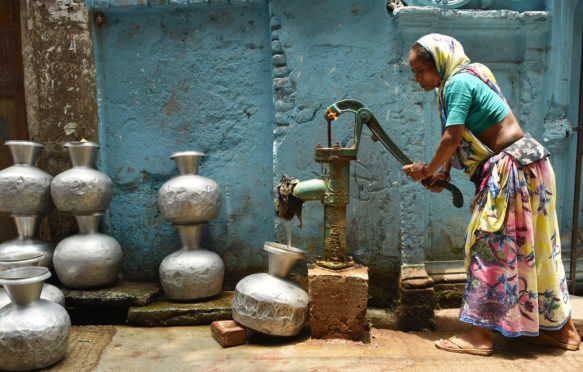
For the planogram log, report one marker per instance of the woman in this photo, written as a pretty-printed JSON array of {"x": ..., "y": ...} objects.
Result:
[{"x": 516, "y": 281}]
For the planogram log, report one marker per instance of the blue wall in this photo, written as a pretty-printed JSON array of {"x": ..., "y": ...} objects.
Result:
[
  {"x": 248, "y": 82},
  {"x": 190, "y": 79}
]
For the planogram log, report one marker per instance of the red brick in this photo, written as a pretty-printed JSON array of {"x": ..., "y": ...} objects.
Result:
[{"x": 228, "y": 333}]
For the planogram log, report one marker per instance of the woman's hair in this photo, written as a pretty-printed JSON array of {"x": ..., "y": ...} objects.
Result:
[{"x": 423, "y": 53}]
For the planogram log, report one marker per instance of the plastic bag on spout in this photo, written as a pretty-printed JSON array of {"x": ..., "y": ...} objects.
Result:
[{"x": 287, "y": 205}]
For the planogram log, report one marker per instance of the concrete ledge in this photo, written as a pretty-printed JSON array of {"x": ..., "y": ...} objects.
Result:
[
  {"x": 120, "y": 294},
  {"x": 164, "y": 313}
]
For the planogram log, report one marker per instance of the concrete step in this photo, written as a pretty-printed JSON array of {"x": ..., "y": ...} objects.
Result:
[
  {"x": 164, "y": 313},
  {"x": 118, "y": 294},
  {"x": 108, "y": 305},
  {"x": 142, "y": 304}
]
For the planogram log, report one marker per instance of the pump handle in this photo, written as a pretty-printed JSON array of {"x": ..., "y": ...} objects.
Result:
[{"x": 365, "y": 116}]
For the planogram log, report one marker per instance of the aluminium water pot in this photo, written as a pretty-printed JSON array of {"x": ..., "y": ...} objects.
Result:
[
  {"x": 269, "y": 303},
  {"x": 89, "y": 259},
  {"x": 34, "y": 333},
  {"x": 189, "y": 197},
  {"x": 191, "y": 273},
  {"x": 23, "y": 187},
  {"x": 82, "y": 189}
]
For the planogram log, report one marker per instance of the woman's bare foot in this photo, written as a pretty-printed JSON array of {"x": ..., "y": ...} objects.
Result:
[
  {"x": 478, "y": 337},
  {"x": 566, "y": 335}
]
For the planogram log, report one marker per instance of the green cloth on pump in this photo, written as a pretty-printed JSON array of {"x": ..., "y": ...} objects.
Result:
[{"x": 470, "y": 101}]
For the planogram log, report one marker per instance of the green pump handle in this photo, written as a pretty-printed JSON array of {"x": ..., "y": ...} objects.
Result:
[{"x": 364, "y": 115}]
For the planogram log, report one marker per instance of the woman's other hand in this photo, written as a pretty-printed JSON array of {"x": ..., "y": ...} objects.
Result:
[
  {"x": 429, "y": 183},
  {"x": 416, "y": 171}
]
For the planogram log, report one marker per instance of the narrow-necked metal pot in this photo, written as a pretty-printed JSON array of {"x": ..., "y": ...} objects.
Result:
[
  {"x": 23, "y": 187},
  {"x": 82, "y": 189},
  {"x": 269, "y": 303},
  {"x": 189, "y": 197},
  {"x": 89, "y": 259},
  {"x": 191, "y": 273},
  {"x": 34, "y": 332}
]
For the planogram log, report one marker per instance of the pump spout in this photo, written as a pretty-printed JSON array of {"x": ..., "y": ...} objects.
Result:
[
  {"x": 291, "y": 194},
  {"x": 310, "y": 190}
]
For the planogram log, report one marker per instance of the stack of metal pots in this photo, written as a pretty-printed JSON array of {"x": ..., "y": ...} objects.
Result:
[
  {"x": 188, "y": 201},
  {"x": 269, "y": 303},
  {"x": 89, "y": 259},
  {"x": 34, "y": 326},
  {"x": 25, "y": 193},
  {"x": 34, "y": 333}
]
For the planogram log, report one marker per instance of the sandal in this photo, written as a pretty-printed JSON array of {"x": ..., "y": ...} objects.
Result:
[
  {"x": 462, "y": 347},
  {"x": 545, "y": 339}
]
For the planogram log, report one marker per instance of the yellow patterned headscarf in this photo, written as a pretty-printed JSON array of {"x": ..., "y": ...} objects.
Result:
[{"x": 448, "y": 54}]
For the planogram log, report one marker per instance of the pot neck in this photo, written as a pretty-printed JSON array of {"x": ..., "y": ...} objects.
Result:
[
  {"x": 27, "y": 225},
  {"x": 24, "y": 284},
  {"x": 24, "y": 152},
  {"x": 190, "y": 235},
  {"x": 82, "y": 154},
  {"x": 281, "y": 258},
  {"x": 88, "y": 224},
  {"x": 187, "y": 161}
]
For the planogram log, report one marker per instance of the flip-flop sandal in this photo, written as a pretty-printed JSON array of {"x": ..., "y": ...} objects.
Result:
[
  {"x": 463, "y": 347},
  {"x": 545, "y": 339}
]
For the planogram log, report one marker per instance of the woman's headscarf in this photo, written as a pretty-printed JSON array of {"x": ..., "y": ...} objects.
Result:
[
  {"x": 447, "y": 53},
  {"x": 450, "y": 59}
]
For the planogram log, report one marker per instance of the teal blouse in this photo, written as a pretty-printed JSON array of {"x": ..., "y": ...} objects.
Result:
[{"x": 469, "y": 101}]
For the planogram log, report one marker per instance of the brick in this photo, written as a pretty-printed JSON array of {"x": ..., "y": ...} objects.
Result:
[
  {"x": 228, "y": 333},
  {"x": 338, "y": 302}
]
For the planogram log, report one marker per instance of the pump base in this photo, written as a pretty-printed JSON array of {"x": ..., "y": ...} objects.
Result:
[{"x": 338, "y": 302}]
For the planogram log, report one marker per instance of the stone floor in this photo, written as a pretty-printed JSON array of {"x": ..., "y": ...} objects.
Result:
[{"x": 192, "y": 348}]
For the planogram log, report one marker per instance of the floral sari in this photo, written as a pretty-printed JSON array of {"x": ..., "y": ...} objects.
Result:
[{"x": 516, "y": 282}]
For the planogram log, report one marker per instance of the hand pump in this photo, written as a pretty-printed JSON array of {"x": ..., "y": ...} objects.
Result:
[{"x": 332, "y": 189}]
